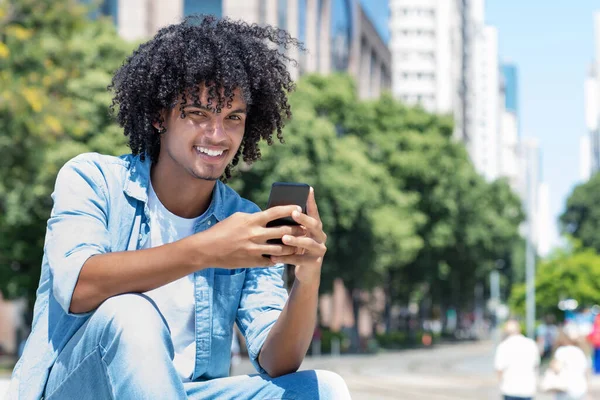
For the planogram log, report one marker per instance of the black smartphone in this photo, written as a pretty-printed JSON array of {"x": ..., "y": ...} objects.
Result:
[{"x": 284, "y": 194}]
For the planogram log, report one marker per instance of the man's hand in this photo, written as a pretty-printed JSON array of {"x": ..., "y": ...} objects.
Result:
[
  {"x": 311, "y": 249},
  {"x": 241, "y": 240}
]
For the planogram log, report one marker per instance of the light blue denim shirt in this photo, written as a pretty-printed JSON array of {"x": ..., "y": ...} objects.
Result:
[{"x": 100, "y": 206}]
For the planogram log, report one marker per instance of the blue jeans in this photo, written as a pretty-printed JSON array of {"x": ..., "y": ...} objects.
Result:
[
  {"x": 120, "y": 354},
  {"x": 597, "y": 360}
]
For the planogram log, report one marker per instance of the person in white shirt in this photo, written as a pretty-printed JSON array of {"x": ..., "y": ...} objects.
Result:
[
  {"x": 572, "y": 361},
  {"x": 517, "y": 361}
]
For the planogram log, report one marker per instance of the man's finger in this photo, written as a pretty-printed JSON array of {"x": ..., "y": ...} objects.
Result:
[
  {"x": 313, "y": 225},
  {"x": 311, "y": 205},
  {"x": 309, "y": 244},
  {"x": 277, "y": 250},
  {"x": 277, "y": 212},
  {"x": 279, "y": 231},
  {"x": 297, "y": 259}
]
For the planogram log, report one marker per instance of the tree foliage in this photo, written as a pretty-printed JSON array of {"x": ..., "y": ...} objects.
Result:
[
  {"x": 581, "y": 218},
  {"x": 55, "y": 65},
  {"x": 400, "y": 198},
  {"x": 569, "y": 273}
]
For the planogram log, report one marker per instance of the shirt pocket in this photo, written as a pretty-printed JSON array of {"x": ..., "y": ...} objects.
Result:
[{"x": 227, "y": 292}]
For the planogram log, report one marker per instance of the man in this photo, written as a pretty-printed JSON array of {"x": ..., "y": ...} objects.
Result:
[
  {"x": 517, "y": 361},
  {"x": 150, "y": 259}
]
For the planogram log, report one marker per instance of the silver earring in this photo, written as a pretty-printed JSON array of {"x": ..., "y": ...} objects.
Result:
[{"x": 162, "y": 130}]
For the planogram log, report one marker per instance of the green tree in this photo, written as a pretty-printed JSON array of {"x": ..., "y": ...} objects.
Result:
[
  {"x": 470, "y": 223},
  {"x": 55, "y": 65},
  {"x": 572, "y": 272},
  {"x": 581, "y": 218},
  {"x": 371, "y": 224}
]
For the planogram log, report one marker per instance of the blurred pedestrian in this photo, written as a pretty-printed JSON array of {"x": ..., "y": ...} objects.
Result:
[
  {"x": 594, "y": 341},
  {"x": 517, "y": 361},
  {"x": 571, "y": 362},
  {"x": 546, "y": 335}
]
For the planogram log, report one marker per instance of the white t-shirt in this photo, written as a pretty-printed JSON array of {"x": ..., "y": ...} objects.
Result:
[
  {"x": 176, "y": 299},
  {"x": 517, "y": 357},
  {"x": 575, "y": 363}
]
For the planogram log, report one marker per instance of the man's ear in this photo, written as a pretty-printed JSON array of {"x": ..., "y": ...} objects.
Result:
[{"x": 156, "y": 124}]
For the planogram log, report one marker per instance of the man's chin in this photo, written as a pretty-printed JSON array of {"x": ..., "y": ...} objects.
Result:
[
  {"x": 208, "y": 172},
  {"x": 207, "y": 177}
]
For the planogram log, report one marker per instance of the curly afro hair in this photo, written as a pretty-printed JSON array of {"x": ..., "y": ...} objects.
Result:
[{"x": 222, "y": 54}]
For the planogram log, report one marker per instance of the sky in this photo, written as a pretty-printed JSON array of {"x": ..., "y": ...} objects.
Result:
[{"x": 552, "y": 45}]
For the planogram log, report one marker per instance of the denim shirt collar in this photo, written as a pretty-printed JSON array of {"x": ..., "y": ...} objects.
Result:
[{"x": 136, "y": 186}]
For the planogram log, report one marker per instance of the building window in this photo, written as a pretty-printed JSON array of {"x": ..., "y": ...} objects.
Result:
[
  {"x": 110, "y": 8},
  {"x": 341, "y": 34},
  {"x": 212, "y": 7},
  {"x": 302, "y": 34},
  {"x": 282, "y": 14}
]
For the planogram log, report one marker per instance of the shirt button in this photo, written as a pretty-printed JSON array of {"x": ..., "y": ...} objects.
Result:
[
  {"x": 140, "y": 236},
  {"x": 208, "y": 223}
]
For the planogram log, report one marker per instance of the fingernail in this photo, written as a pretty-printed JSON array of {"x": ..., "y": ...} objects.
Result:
[
  {"x": 312, "y": 189},
  {"x": 286, "y": 238},
  {"x": 299, "y": 209},
  {"x": 295, "y": 213}
]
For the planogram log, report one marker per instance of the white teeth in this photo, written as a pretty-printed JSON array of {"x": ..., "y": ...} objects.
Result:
[{"x": 212, "y": 153}]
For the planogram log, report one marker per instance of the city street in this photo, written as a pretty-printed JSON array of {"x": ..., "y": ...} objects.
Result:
[{"x": 450, "y": 372}]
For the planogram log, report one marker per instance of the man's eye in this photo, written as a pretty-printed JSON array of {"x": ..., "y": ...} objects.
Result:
[{"x": 235, "y": 117}]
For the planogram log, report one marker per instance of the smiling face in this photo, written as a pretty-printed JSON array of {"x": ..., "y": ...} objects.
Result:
[{"x": 204, "y": 142}]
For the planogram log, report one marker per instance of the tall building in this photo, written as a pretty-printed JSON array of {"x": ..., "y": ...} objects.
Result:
[
  {"x": 337, "y": 33},
  {"x": 487, "y": 107},
  {"x": 585, "y": 158},
  {"x": 428, "y": 42},
  {"x": 509, "y": 125},
  {"x": 590, "y": 145}
]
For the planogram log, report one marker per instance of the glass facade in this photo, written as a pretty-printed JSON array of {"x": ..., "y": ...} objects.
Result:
[
  {"x": 511, "y": 85},
  {"x": 341, "y": 33},
  {"x": 302, "y": 20},
  {"x": 213, "y": 7},
  {"x": 282, "y": 14},
  {"x": 109, "y": 8},
  {"x": 302, "y": 34}
]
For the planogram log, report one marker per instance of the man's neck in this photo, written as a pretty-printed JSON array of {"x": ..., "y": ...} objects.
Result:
[{"x": 188, "y": 197}]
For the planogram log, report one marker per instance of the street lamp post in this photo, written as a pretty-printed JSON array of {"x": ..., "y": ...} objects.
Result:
[{"x": 530, "y": 255}]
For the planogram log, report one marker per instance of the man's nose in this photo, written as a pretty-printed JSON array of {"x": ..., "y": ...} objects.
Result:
[{"x": 217, "y": 128}]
